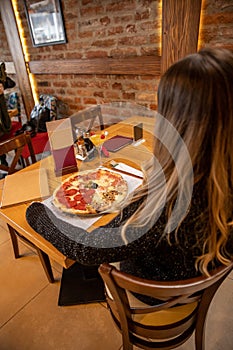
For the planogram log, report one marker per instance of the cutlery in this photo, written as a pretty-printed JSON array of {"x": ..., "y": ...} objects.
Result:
[{"x": 114, "y": 165}]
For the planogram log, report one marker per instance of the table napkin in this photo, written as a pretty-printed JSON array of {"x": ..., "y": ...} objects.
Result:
[
  {"x": 128, "y": 169},
  {"x": 86, "y": 222}
]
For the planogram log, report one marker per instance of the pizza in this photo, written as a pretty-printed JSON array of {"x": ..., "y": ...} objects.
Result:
[{"x": 91, "y": 192}]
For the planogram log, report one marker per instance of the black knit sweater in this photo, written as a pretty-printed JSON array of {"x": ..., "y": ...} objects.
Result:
[{"x": 146, "y": 256}]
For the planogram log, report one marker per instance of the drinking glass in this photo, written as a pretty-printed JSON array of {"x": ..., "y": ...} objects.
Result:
[{"x": 98, "y": 140}]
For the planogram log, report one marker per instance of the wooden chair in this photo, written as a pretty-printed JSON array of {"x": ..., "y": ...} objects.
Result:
[
  {"x": 40, "y": 141},
  {"x": 183, "y": 308},
  {"x": 89, "y": 118},
  {"x": 17, "y": 145}
]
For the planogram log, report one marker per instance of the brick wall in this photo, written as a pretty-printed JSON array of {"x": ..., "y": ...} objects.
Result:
[
  {"x": 109, "y": 28},
  {"x": 217, "y": 24}
]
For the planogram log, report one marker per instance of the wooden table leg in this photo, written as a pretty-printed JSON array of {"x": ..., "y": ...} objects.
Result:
[
  {"x": 46, "y": 264},
  {"x": 42, "y": 255}
]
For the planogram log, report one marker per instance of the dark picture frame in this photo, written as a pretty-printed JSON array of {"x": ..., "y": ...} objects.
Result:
[{"x": 45, "y": 22}]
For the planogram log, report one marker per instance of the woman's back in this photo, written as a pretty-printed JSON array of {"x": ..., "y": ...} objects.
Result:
[{"x": 180, "y": 223}]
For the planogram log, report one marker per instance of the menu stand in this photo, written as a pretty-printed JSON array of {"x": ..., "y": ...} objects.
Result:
[
  {"x": 64, "y": 161},
  {"x": 62, "y": 146}
]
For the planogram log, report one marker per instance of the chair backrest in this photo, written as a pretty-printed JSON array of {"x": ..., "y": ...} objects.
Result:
[
  {"x": 17, "y": 145},
  {"x": 182, "y": 307},
  {"x": 89, "y": 118}
]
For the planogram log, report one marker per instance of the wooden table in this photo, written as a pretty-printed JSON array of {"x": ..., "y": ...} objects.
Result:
[{"x": 15, "y": 215}]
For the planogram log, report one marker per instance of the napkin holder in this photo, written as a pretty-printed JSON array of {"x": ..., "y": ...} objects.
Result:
[{"x": 62, "y": 146}]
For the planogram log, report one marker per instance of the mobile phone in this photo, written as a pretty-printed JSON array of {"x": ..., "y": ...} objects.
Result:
[{"x": 138, "y": 132}]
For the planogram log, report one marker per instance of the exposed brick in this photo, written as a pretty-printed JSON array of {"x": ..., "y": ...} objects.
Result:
[
  {"x": 153, "y": 106},
  {"x": 98, "y": 94},
  {"x": 86, "y": 2},
  {"x": 124, "y": 19},
  {"x": 43, "y": 83},
  {"x": 105, "y": 20},
  {"x": 90, "y": 11},
  {"x": 73, "y": 55},
  {"x": 131, "y": 28},
  {"x": 128, "y": 95},
  {"x": 112, "y": 95},
  {"x": 149, "y": 51},
  {"x": 138, "y": 85},
  {"x": 71, "y": 92},
  {"x": 141, "y": 96},
  {"x": 89, "y": 101},
  {"x": 117, "y": 86},
  {"x": 219, "y": 18},
  {"x": 104, "y": 43},
  {"x": 118, "y": 29},
  {"x": 78, "y": 83},
  {"x": 96, "y": 54},
  {"x": 115, "y": 30},
  {"x": 155, "y": 39},
  {"x": 77, "y": 99},
  {"x": 88, "y": 22},
  {"x": 96, "y": 83},
  {"x": 123, "y": 52},
  {"x": 62, "y": 83},
  {"x": 101, "y": 33},
  {"x": 86, "y": 34},
  {"x": 121, "y": 6},
  {"x": 133, "y": 40},
  {"x": 142, "y": 15},
  {"x": 83, "y": 92}
]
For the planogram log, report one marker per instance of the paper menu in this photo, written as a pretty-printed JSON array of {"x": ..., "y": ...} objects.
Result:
[{"x": 25, "y": 186}]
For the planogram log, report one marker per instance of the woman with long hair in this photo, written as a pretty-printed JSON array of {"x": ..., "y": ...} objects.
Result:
[{"x": 179, "y": 223}]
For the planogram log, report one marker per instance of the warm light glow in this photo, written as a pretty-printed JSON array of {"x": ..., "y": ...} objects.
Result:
[
  {"x": 160, "y": 16},
  {"x": 200, "y": 26},
  {"x": 25, "y": 50}
]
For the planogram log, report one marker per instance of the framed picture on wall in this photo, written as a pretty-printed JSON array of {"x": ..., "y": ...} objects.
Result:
[{"x": 45, "y": 22}]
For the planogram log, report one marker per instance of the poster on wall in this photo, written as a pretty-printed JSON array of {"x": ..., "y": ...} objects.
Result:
[{"x": 45, "y": 22}]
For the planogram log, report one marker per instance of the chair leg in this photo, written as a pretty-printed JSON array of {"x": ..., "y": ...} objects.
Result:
[
  {"x": 14, "y": 241},
  {"x": 201, "y": 317},
  {"x": 27, "y": 161},
  {"x": 42, "y": 255},
  {"x": 46, "y": 264},
  {"x": 22, "y": 162}
]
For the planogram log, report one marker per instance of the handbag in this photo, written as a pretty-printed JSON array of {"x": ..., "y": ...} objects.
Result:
[{"x": 39, "y": 116}]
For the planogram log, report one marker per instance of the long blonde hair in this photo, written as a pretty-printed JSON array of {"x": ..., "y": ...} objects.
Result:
[{"x": 195, "y": 96}]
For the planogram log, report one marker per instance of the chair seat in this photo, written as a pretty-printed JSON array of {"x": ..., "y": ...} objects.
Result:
[
  {"x": 15, "y": 125},
  {"x": 166, "y": 317},
  {"x": 40, "y": 144}
]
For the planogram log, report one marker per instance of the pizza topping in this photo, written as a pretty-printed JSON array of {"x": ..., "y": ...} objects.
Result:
[
  {"x": 70, "y": 192},
  {"x": 90, "y": 192}
]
